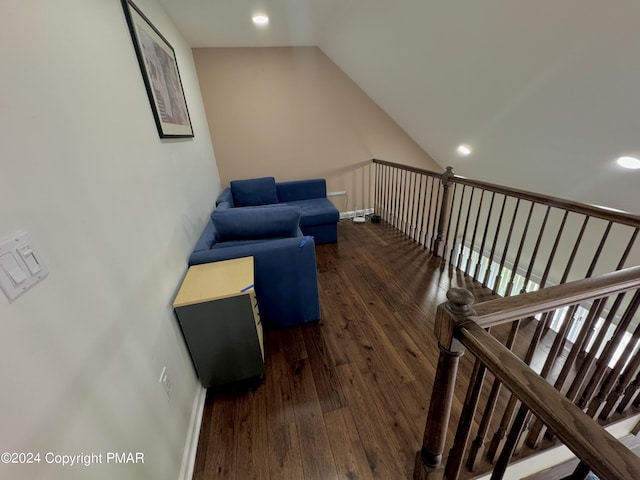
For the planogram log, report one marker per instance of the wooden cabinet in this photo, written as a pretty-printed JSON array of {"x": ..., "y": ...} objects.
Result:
[{"x": 218, "y": 313}]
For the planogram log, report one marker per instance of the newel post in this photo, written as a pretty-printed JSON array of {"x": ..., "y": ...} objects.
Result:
[
  {"x": 428, "y": 464},
  {"x": 444, "y": 210}
]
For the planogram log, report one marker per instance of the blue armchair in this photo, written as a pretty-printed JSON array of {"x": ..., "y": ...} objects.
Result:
[{"x": 285, "y": 275}]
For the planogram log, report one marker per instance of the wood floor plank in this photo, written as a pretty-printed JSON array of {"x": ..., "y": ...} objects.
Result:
[
  {"x": 279, "y": 399},
  {"x": 346, "y": 397},
  {"x": 348, "y": 452},
  {"x": 252, "y": 456},
  {"x": 285, "y": 461},
  {"x": 220, "y": 462},
  {"x": 317, "y": 462},
  {"x": 325, "y": 377},
  {"x": 379, "y": 445}
]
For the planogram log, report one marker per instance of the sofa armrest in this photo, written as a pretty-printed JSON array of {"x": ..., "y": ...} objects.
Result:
[
  {"x": 285, "y": 277},
  {"x": 301, "y": 190},
  {"x": 225, "y": 196}
]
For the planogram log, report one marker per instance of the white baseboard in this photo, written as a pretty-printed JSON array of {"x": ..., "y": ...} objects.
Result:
[
  {"x": 356, "y": 213},
  {"x": 191, "y": 446}
]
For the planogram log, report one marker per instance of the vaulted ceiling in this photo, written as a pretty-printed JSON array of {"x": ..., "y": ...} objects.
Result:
[{"x": 546, "y": 93}]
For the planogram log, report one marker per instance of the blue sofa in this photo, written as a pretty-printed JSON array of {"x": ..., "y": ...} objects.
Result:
[
  {"x": 285, "y": 273},
  {"x": 319, "y": 217}
]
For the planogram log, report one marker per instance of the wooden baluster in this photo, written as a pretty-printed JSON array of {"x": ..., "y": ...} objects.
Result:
[
  {"x": 446, "y": 236},
  {"x": 484, "y": 237},
  {"x": 510, "y": 444},
  {"x": 487, "y": 273},
  {"x": 394, "y": 198},
  {"x": 464, "y": 232},
  {"x": 376, "y": 197},
  {"x": 574, "y": 251},
  {"x": 457, "y": 309},
  {"x": 421, "y": 212},
  {"x": 554, "y": 250},
  {"x": 455, "y": 233},
  {"x": 381, "y": 190},
  {"x": 534, "y": 254},
  {"x": 378, "y": 207},
  {"x": 390, "y": 193},
  {"x": 477, "y": 446},
  {"x": 407, "y": 203},
  {"x": 430, "y": 236},
  {"x": 442, "y": 217},
  {"x": 475, "y": 231},
  {"x": 498, "y": 279},
  {"x": 415, "y": 204},
  {"x": 456, "y": 454},
  {"x": 535, "y": 435},
  {"x": 583, "y": 334},
  {"x": 609, "y": 380},
  {"x": 390, "y": 173},
  {"x": 435, "y": 216},
  {"x": 590, "y": 360},
  {"x": 509, "y": 411},
  {"x": 403, "y": 200},
  {"x": 387, "y": 185},
  {"x": 607, "y": 354},
  {"x": 387, "y": 193},
  {"x": 629, "y": 393},
  {"x": 498, "y": 439},
  {"x": 598, "y": 252},
  {"x": 516, "y": 262},
  {"x": 624, "y": 378},
  {"x": 538, "y": 429}
]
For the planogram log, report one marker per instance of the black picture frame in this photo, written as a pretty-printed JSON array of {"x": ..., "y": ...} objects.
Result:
[{"x": 159, "y": 68}]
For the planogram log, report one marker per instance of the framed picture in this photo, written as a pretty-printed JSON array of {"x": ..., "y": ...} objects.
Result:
[{"x": 159, "y": 68}]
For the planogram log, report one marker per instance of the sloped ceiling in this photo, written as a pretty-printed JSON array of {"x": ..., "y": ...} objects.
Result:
[{"x": 546, "y": 93}]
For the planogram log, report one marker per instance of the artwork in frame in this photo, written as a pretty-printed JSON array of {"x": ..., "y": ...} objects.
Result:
[{"x": 159, "y": 68}]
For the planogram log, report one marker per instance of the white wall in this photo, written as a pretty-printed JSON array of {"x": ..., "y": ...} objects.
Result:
[{"x": 114, "y": 211}]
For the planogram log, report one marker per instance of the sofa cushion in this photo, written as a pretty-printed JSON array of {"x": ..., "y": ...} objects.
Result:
[
  {"x": 255, "y": 191},
  {"x": 301, "y": 190},
  {"x": 316, "y": 211},
  {"x": 225, "y": 196},
  {"x": 207, "y": 238},
  {"x": 251, "y": 223}
]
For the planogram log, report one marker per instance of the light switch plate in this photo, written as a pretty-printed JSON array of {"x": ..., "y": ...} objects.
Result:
[{"x": 21, "y": 265}]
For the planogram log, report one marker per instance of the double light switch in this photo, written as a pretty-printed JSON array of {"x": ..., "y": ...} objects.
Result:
[{"x": 21, "y": 266}]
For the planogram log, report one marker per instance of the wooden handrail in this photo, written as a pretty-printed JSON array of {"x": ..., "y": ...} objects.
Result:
[
  {"x": 592, "y": 444},
  {"x": 408, "y": 168},
  {"x": 474, "y": 226},
  {"x": 618, "y": 216},
  {"x": 503, "y": 310},
  {"x": 458, "y": 326}
]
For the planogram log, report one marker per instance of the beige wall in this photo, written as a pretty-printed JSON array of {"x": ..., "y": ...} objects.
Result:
[
  {"x": 292, "y": 113},
  {"x": 114, "y": 212}
]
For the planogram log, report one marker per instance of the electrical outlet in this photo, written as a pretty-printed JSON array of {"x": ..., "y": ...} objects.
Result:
[{"x": 165, "y": 381}]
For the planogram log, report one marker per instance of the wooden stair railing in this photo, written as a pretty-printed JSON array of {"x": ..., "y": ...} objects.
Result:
[
  {"x": 504, "y": 238},
  {"x": 459, "y": 326},
  {"x": 513, "y": 241}
]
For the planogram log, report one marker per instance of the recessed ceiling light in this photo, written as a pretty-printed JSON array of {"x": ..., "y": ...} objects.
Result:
[
  {"x": 260, "y": 19},
  {"x": 629, "y": 162},
  {"x": 463, "y": 150}
]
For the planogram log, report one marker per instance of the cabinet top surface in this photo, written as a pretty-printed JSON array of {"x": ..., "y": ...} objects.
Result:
[{"x": 212, "y": 281}]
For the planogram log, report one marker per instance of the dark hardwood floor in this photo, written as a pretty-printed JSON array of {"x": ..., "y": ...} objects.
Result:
[{"x": 344, "y": 397}]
